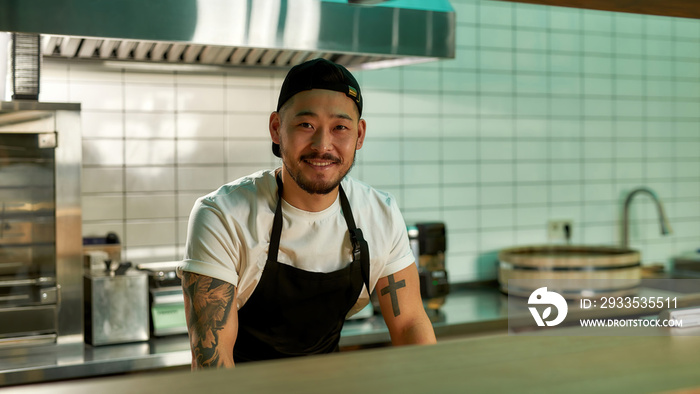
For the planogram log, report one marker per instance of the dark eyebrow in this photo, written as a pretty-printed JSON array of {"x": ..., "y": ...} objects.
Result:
[
  {"x": 313, "y": 114},
  {"x": 305, "y": 113},
  {"x": 343, "y": 116}
]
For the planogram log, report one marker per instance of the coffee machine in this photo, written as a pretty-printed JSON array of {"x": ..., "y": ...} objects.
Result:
[{"x": 429, "y": 242}]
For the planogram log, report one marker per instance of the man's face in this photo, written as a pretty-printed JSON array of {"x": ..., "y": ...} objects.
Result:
[{"x": 318, "y": 132}]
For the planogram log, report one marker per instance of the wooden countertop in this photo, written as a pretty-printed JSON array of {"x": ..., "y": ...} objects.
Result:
[{"x": 500, "y": 363}]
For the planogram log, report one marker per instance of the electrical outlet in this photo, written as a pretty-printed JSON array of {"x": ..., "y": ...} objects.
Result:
[{"x": 559, "y": 230}]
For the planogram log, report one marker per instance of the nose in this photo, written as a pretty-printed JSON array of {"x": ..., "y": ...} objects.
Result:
[{"x": 321, "y": 140}]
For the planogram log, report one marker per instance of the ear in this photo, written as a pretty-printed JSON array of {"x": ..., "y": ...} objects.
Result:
[
  {"x": 361, "y": 129},
  {"x": 274, "y": 126}
]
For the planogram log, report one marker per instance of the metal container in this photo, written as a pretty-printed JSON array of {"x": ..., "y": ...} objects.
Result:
[
  {"x": 116, "y": 307},
  {"x": 687, "y": 265}
]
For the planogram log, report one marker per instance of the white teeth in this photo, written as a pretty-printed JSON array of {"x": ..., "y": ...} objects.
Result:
[{"x": 316, "y": 164}]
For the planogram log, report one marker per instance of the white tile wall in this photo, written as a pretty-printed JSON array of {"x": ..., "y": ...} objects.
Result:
[
  {"x": 200, "y": 178},
  {"x": 103, "y": 180},
  {"x": 200, "y": 98},
  {"x": 150, "y": 152},
  {"x": 148, "y": 125},
  {"x": 545, "y": 113},
  {"x": 203, "y": 125},
  {"x": 101, "y": 124},
  {"x": 150, "y": 206},
  {"x": 103, "y": 152},
  {"x": 146, "y": 179},
  {"x": 200, "y": 152}
]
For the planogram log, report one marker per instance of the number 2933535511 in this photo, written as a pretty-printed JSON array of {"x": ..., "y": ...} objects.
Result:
[{"x": 628, "y": 302}]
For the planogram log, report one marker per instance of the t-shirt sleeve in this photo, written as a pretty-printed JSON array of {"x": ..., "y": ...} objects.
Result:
[
  {"x": 400, "y": 255},
  {"x": 212, "y": 246}
]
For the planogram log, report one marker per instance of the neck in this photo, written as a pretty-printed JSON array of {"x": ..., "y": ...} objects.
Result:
[{"x": 301, "y": 199}]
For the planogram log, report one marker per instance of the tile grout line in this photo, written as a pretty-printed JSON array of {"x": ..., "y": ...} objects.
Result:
[
  {"x": 440, "y": 145},
  {"x": 582, "y": 136},
  {"x": 402, "y": 179},
  {"x": 176, "y": 162},
  {"x": 515, "y": 137},
  {"x": 548, "y": 126},
  {"x": 125, "y": 194},
  {"x": 615, "y": 132},
  {"x": 479, "y": 224}
]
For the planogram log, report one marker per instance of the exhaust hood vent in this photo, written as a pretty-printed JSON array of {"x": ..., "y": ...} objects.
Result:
[
  {"x": 242, "y": 33},
  {"x": 183, "y": 53}
]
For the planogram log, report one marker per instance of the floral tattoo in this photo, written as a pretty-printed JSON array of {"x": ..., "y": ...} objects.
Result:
[{"x": 210, "y": 305}]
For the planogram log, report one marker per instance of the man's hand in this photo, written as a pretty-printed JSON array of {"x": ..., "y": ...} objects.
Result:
[
  {"x": 402, "y": 308},
  {"x": 212, "y": 320}
]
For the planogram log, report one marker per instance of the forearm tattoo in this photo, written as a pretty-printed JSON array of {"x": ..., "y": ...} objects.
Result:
[
  {"x": 391, "y": 290},
  {"x": 210, "y": 304}
]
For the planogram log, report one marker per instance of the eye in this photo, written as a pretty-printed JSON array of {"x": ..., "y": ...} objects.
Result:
[
  {"x": 341, "y": 127},
  {"x": 306, "y": 125}
]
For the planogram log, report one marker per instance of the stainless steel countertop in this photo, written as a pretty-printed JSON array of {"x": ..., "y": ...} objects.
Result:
[
  {"x": 466, "y": 311},
  {"x": 471, "y": 310}
]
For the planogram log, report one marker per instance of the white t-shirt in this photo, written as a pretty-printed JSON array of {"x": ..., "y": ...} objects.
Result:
[{"x": 229, "y": 229}]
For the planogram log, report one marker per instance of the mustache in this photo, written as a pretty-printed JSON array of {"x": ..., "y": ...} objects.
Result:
[{"x": 315, "y": 156}]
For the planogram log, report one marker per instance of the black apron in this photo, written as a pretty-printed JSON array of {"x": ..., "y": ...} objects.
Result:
[{"x": 293, "y": 312}]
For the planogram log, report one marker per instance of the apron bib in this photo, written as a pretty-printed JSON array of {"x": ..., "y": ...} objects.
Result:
[{"x": 293, "y": 312}]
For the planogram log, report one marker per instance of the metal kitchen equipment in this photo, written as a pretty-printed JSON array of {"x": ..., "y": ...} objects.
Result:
[
  {"x": 687, "y": 265},
  {"x": 167, "y": 304},
  {"x": 240, "y": 33},
  {"x": 40, "y": 223},
  {"x": 429, "y": 242},
  {"x": 116, "y": 306},
  {"x": 97, "y": 249}
]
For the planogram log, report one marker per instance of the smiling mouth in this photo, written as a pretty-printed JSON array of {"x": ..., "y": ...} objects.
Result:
[
  {"x": 320, "y": 161},
  {"x": 319, "y": 164}
]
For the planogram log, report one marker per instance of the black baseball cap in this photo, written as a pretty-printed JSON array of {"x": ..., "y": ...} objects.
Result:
[{"x": 318, "y": 74}]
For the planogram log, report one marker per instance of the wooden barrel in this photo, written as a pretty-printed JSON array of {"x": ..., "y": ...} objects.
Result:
[{"x": 573, "y": 271}]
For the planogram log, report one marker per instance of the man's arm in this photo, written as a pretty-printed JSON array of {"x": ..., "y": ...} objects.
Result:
[
  {"x": 212, "y": 320},
  {"x": 402, "y": 308}
]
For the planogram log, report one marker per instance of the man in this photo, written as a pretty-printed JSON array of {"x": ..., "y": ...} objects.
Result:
[{"x": 277, "y": 260}]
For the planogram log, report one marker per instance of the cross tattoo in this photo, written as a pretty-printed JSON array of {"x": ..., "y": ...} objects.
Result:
[{"x": 393, "y": 286}]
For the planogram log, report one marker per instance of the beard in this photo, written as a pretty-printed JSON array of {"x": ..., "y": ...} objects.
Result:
[{"x": 315, "y": 186}]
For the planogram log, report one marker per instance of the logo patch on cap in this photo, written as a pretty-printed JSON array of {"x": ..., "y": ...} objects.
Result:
[{"x": 352, "y": 92}]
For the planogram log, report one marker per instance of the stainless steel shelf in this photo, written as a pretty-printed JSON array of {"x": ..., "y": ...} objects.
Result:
[{"x": 31, "y": 105}]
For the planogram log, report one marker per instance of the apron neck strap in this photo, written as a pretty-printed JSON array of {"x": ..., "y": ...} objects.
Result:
[
  {"x": 360, "y": 248},
  {"x": 276, "y": 225}
]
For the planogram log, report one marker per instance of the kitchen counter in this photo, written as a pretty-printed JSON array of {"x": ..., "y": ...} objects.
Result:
[
  {"x": 501, "y": 363},
  {"x": 469, "y": 310}
]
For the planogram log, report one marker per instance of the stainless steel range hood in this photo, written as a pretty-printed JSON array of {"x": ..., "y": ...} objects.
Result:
[{"x": 247, "y": 33}]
